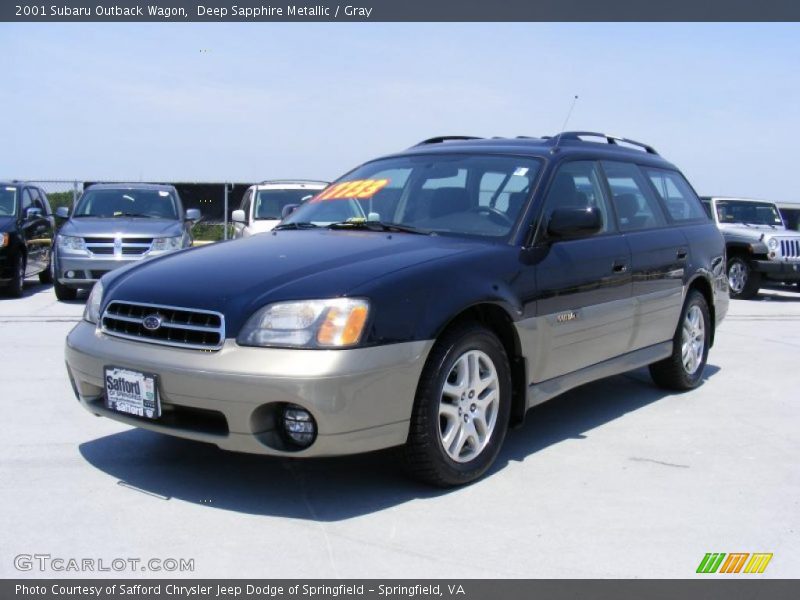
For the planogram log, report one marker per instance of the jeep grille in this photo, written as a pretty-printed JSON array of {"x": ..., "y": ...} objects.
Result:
[
  {"x": 790, "y": 248},
  {"x": 182, "y": 327}
]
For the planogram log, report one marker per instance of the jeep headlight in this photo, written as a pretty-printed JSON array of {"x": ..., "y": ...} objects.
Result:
[
  {"x": 772, "y": 244},
  {"x": 92, "y": 311},
  {"x": 166, "y": 244},
  {"x": 71, "y": 243},
  {"x": 334, "y": 323}
]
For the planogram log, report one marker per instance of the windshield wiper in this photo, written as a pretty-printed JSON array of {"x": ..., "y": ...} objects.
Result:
[
  {"x": 379, "y": 226},
  {"x": 127, "y": 214},
  {"x": 300, "y": 225}
]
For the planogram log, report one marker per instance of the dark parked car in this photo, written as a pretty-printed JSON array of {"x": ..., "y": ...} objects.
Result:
[
  {"x": 26, "y": 235},
  {"x": 426, "y": 300}
]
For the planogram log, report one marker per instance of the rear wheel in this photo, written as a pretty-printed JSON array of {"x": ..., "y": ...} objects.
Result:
[
  {"x": 743, "y": 282},
  {"x": 462, "y": 408},
  {"x": 683, "y": 369},
  {"x": 17, "y": 284}
]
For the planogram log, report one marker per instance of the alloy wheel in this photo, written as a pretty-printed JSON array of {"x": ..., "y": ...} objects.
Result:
[
  {"x": 468, "y": 406},
  {"x": 737, "y": 277},
  {"x": 693, "y": 340}
]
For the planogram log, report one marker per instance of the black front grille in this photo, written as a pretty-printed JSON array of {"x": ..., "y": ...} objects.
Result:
[{"x": 183, "y": 327}]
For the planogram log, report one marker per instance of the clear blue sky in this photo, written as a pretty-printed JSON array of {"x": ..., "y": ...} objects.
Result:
[{"x": 255, "y": 101}]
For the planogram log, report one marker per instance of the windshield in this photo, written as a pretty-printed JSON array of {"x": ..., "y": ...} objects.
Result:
[
  {"x": 270, "y": 203},
  {"x": 153, "y": 204},
  {"x": 752, "y": 213},
  {"x": 8, "y": 201},
  {"x": 458, "y": 194}
]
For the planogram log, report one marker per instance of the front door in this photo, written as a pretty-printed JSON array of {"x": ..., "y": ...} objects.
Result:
[{"x": 583, "y": 286}]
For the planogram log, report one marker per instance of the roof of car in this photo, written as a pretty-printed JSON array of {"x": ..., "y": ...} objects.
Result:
[
  {"x": 131, "y": 186},
  {"x": 737, "y": 199},
  {"x": 568, "y": 142},
  {"x": 279, "y": 182}
]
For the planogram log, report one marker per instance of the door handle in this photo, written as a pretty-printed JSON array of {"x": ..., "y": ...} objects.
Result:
[
  {"x": 619, "y": 267},
  {"x": 682, "y": 254}
]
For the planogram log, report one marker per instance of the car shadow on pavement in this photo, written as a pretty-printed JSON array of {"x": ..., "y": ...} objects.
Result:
[{"x": 333, "y": 489}]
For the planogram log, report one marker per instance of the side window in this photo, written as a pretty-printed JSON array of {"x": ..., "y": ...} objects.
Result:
[
  {"x": 37, "y": 200},
  {"x": 45, "y": 202},
  {"x": 577, "y": 185},
  {"x": 707, "y": 207},
  {"x": 634, "y": 201},
  {"x": 246, "y": 201},
  {"x": 677, "y": 195},
  {"x": 27, "y": 200}
]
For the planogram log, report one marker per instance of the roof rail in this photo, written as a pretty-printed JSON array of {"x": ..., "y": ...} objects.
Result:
[
  {"x": 446, "y": 138},
  {"x": 610, "y": 139}
]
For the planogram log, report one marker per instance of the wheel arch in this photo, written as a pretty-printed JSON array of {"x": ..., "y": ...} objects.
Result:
[
  {"x": 498, "y": 320},
  {"x": 702, "y": 284}
]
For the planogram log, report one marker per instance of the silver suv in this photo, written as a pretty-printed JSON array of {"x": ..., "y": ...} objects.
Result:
[
  {"x": 114, "y": 225},
  {"x": 758, "y": 245}
]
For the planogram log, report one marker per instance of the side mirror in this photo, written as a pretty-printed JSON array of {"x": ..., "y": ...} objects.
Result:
[
  {"x": 33, "y": 212},
  {"x": 193, "y": 214},
  {"x": 62, "y": 212},
  {"x": 570, "y": 223},
  {"x": 238, "y": 216},
  {"x": 289, "y": 209}
]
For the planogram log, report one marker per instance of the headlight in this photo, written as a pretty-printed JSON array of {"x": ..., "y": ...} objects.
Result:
[
  {"x": 773, "y": 244},
  {"x": 68, "y": 242},
  {"x": 92, "y": 311},
  {"x": 335, "y": 323},
  {"x": 166, "y": 244}
]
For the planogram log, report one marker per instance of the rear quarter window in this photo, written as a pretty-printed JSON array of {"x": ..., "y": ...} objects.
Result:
[{"x": 677, "y": 196}]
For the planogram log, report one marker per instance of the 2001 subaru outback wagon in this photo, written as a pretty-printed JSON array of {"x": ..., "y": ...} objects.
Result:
[{"x": 426, "y": 300}]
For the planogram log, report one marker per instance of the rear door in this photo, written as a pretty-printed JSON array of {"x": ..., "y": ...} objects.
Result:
[
  {"x": 583, "y": 285},
  {"x": 658, "y": 254}
]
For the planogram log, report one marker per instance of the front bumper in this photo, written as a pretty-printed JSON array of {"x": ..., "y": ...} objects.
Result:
[
  {"x": 778, "y": 271},
  {"x": 361, "y": 398},
  {"x": 88, "y": 270}
]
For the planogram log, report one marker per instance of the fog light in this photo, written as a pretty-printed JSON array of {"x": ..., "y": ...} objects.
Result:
[
  {"x": 70, "y": 274},
  {"x": 299, "y": 425}
]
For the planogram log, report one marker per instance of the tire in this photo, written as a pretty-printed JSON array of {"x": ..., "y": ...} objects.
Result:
[
  {"x": 743, "y": 282},
  {"x": 17, "y": 284},
  {"x": 679, "y": 372},
  {"x": 64, "y": 293},
  {"x": 458, "y": 415}
]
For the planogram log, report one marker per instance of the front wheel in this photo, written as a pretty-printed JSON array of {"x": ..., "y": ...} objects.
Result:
[
  {"x": 743, "y": 282},
  {"x": 461, "y": 410},
  {"x": 683, "y": 369},
  {"x": 17, "y": 284}
]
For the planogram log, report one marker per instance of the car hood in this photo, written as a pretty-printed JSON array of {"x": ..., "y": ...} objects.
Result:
[
  {"x": 238, "y": 277},
  {"x": 131, "y": 227},
  {"x": 7, "y": 223}
]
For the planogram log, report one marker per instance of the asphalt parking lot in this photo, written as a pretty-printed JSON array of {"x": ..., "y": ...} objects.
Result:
[{"x": 614, "y": 479}]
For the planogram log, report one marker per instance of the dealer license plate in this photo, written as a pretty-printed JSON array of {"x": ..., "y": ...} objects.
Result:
[{"x": 132, "y": 393}]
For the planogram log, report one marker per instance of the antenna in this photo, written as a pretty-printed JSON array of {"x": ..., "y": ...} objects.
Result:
[{"x": 564, "y": 126}]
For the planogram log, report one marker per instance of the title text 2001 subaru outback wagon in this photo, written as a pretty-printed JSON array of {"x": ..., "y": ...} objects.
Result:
[{"x": 426, "y": 300}]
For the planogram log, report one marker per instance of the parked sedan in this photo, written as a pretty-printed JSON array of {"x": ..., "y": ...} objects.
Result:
[
  {"x": 115, "y": 225},
  {"x": 26, "y": 235}
]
